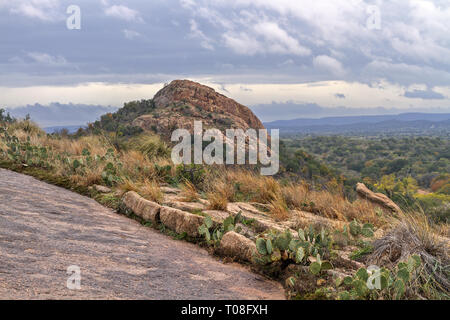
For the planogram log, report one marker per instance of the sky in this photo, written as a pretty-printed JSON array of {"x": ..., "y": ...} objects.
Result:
[{"x": 278, "y": 57}]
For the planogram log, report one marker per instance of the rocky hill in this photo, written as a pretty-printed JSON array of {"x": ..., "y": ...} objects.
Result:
[{"x": 178, "y": 105}]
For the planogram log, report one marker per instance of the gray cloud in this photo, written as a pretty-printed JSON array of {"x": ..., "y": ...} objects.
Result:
[
  {"x": 324, "y": 40},
  {"x": 242, "y": 41},
  {"x": 57, "y": 114},
  {"x": 424, "y": 94},
  {"x": 292, "y": 110}
]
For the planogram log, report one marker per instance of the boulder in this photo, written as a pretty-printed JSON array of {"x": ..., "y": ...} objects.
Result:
[
  {"x": 376, "y": 198},
  {"x": 236, "y": 245},
  {"x": 143, "y": 208},
  {"x": 181, "y": 221}
]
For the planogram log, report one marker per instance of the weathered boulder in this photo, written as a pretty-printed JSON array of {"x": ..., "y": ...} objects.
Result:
[
  {"x": 143, "y": 208},
  {"x": 181, "y": 221},
  {"x": 181, "y": 102},
  {"x": 236, "y": 245},
  {"x": 376, "y": 198}
]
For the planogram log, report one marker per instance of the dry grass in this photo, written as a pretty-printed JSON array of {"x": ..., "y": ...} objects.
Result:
[
  {"x": 189, "y": 192},
  {"x": 331, "y": 205},
  {"x": 217, "y": 201},
  {"x": 2, "y": 146},
  {"x": 219, "y": 192},
  {"x": 295, "y": 195},
  {"x": 134, "y": 165},
  {"x": 412, "y": 234},
  {"x": 278, "y": 209},
  {"x": 151, "y": 146},
  {"x": 128, "y": 185},
  {"x": 150, "y": 190},
  {"x": 257, "y": 188},
  {"x": 222, "y": 185},
  {"x": 27, "y": 126}
]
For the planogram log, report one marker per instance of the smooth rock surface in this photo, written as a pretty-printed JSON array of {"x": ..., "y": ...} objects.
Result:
[{"x": 45, "y": 229}]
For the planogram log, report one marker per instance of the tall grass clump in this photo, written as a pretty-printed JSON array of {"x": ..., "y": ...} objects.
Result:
[{"x": 413, "y": 234}]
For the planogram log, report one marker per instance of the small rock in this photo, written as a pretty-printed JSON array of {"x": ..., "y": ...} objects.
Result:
[
  {"x": 170, "y": 190},
  {"x": 102, "y": 189},
  {"x": 185, "y": 206}
]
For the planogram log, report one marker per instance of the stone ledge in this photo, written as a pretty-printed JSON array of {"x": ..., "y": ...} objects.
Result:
[
  {"x": 143, "y": 208},
  {"x": 181, "y": 221},
  {"x": 236, "y": 245}
]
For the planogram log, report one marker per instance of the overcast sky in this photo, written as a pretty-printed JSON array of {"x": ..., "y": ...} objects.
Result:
[{"x": 330, "y": 53}]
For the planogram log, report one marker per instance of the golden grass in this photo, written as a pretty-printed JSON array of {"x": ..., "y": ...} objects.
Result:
[
  {"x": 134, "y": 165},
  {"x": 91, "y": 176},
  {"x": 189, "y": 192},
  {"x": 128, "y": 185},
  {"x": 278, "y": 209},
  {"x": 139, "y": 173},
  {"x": 217, "y": 201},
  {"x": 331, "y": 205},
  {"x": 257, "y": 188},
  {"x": 295, "y": 195},
  {"x": 27, "y": 126},
  {"x": 150, "y": 190}
]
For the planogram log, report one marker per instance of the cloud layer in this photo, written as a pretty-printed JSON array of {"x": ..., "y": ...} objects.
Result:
[{"x": 401, "y": 47}]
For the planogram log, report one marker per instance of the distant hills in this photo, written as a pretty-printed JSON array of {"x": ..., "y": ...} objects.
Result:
[
  {"x": 405, "y": 123},
  {"x": 70, "y": 129}
]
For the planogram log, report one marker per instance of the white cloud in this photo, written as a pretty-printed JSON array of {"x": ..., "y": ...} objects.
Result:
[
  {"x": 130, "y": 34},
  {"x": 46, "y": 59},
  {"x": 329, "y": 64},
  {"x": 45, "y": 10},
  {"x": 205, "y": 42},
  {"x": 413, "y": 32},
  {"x": 242, "y": 43},
  {"x": 278, "y": 40},
  {"x": 264, "y": 38},
  {"x": 123, "y": 13}
]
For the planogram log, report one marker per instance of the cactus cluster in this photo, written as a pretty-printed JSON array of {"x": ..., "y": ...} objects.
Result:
[
  {"x": 25, "y": 153},
  {"x": 213, "y": 232},
  {"x": 307, "y": 247},
  {"x": 366, "y": 284},
  {"x": 356, "y": 229}
]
